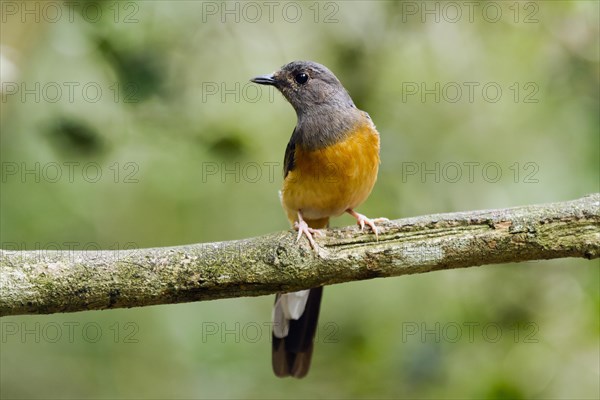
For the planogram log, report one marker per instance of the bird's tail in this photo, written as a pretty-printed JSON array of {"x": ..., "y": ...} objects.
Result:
[
  {"x": 293, "y": 338},
  {"x": 295, "y": 317}
]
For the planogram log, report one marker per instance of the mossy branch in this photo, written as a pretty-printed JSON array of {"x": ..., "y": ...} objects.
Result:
[{"x": 44, "y": 282}]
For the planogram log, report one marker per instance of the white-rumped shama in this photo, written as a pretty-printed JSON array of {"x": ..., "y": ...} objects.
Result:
[{"x": 330, "y": 167}]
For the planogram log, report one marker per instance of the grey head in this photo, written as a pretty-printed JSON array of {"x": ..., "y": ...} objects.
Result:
[{"x": 325, "y": 111}]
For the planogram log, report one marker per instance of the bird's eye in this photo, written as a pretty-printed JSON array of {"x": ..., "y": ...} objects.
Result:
[{"x": 301, "y": 78}]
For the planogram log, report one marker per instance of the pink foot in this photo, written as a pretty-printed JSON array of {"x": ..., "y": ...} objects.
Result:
[
  {"x": 362, "y": 220},
  {"x": 302, "y": 227}
]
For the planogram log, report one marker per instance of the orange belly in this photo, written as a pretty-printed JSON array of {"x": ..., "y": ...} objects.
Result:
[{"x": 326, "y": 182}]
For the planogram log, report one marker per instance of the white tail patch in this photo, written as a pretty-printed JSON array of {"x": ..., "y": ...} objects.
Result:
[{"x": 287, "y": 307}]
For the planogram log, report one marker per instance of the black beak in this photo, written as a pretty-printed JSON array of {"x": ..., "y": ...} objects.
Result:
[{"x": 264, "y": 80}]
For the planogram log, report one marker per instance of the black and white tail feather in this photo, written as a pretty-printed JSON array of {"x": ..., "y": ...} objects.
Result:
[{"x": 295, "y": 317}]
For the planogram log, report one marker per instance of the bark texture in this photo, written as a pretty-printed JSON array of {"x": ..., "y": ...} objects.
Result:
[{"x": 44, "y": 282}]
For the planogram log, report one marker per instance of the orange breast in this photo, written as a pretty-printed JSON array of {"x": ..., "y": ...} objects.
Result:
[{"x": 326, "y": 182}]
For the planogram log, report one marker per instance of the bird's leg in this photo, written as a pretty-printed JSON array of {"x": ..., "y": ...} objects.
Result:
[
  {"x": 361, "y": 221},
  {"x": 302, "y": 227}
]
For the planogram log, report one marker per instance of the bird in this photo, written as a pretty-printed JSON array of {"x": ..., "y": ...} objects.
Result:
[{"x": 330, "y": 167}]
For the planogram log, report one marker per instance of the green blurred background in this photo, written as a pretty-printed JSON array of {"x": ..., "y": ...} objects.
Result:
[{"x": 154, "y": 96}]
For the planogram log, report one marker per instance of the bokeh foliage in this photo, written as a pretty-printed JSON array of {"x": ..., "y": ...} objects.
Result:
[{"x": 176, "y": 106}]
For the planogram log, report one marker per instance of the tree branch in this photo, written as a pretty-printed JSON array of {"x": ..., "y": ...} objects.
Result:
[{"x": 44, "y": 282}]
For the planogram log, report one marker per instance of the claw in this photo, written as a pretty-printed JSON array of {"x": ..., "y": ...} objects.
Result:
[
  {"x": 362, "y": 220},
  {"x": 302, "y": 227}
]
